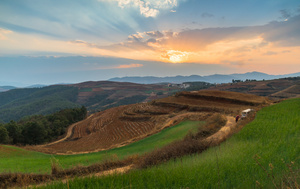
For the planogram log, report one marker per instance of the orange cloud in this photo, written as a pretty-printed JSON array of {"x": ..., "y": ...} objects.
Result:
[
  {"x": 3, "y": 33},
  {"x": 129, "y": 66},
  {"x": 276, "y": 43}
]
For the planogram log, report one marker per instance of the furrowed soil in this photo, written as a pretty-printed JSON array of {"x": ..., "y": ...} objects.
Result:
[{"x": 123, "y": 125}]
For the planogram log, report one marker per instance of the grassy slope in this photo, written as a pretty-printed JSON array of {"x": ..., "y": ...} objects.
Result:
[
  {"x": 13, "y": 159},
  {"x": 274, "y": 136}
]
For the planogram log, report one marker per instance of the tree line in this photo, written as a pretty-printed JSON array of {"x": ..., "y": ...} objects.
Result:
[{"x": 39, "y": 129}]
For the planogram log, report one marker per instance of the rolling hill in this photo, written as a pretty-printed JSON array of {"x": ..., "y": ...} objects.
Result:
[
  {"x": 96, "y": 96},
  {"x": 101, "y": 95},
  {"x": 122, "y": 125},
  {"x": 18, "y": 103},
  {"x": 263, "y": 154},
  {"x": 275, "y": 89}
]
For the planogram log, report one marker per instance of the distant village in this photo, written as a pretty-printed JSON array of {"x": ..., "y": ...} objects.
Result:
[{"x": 182, "y": 86}]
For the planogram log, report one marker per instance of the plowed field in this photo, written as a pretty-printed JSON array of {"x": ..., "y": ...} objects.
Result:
[
  {"x": 122, "y": 125},
  {"x": 275, "y": 89}
]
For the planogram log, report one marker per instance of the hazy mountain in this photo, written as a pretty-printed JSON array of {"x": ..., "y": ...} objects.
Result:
[
  {"x": 6, "y": 88},
  {"x": 36, "y": 86},
  {"x": 16, "y": 84},
  {"x": 255, "y": 75},
  {"x": 152, "y": 79},
  {"x": 217, "y": 78}
]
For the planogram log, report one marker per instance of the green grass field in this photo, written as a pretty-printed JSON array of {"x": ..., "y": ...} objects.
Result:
[
  {"x": 274, "y": 136},
  {"x": 13, "y": 159}
]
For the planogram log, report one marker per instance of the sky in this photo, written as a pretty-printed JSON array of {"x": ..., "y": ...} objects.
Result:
[{"x": 70, "y": 41}]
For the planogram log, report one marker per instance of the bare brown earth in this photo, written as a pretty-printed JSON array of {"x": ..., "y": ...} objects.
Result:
[
  {"x": 275, "y": 89},
  {"x": 122, "y": 125},
  {"x": 223, "y": 133},
  {"x": 97, "y": 95},
  {"x": 119, "y": 170}
]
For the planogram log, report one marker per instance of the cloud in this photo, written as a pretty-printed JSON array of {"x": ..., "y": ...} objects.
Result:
[
  {"x": 285, "y": 14},
  {"x": 210, "y": 45},
  {"x": 81, "y": 42},
  {"x": 135, "y": 37},
  {"x": 206, "y": 15},
  {"x": 213, "y": 44},
  {"x": 147, "y": 8},
  {"x": 3, "y": 33},
  {"x": 234, "y": 63},
  {"x": 125, "y": 66},
  {"x": 286, "y": 33},
  {"x": 95, "y": 66},
  {"x": 154, "y": 34},
  {"x": 270, "y": 53}
]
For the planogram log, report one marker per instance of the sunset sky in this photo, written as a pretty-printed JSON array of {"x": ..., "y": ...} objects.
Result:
[{"x": 68, "y": 41}]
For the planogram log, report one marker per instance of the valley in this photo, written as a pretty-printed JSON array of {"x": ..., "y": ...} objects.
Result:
[{"x": 145, "y": 134}]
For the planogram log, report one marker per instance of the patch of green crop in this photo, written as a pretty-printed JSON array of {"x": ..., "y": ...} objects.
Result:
[
  {"x": 13, "y": 159},
  {"x": 256, "y": 157},
  {"x": 149, "y": 91}
]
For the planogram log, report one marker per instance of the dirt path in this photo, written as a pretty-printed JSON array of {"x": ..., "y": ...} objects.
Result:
[
  {"x": 68, "y": 135},
  {"x": 223, "y": 133},
  {"x": 120, "y": 170}
]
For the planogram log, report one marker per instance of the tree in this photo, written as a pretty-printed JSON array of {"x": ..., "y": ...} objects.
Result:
[
  {"x": 34, "y": 133},
  {"x": 3, "y": 135},
  {"x": 14, "y": 132}
]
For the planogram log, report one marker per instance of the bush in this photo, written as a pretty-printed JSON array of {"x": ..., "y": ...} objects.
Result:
[
  {"x": 214, "y": 123},
  {"x": 189, "y": 145},
  {"x": 3, "y": 135}
]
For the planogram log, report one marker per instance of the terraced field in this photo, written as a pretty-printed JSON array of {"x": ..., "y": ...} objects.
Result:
[
  {"x": 18, "y": 160},
  {"x": 123, "y": 125},
  {"x": 276, "y": 89},
  {"x": 264, "y": 154}
]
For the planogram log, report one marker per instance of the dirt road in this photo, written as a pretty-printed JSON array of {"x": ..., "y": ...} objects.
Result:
[
  {"x": 69, "y": 134},
  {"x": 223, "y": 133}
]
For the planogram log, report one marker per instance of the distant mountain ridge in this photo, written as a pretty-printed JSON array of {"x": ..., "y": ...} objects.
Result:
[
  {"x": 6, "y": 88},
  {"x": 216, "y": 78}
]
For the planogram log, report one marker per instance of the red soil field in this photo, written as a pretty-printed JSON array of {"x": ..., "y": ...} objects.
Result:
[
  {"x": 275, "y": 89},
  {"x": 122, "y": 125}
]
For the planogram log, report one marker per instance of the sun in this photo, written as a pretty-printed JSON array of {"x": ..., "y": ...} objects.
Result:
[{"x": 176, "y": 56}]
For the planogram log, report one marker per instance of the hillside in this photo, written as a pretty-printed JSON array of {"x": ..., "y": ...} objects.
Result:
[
  {"x": 101, "y": 95},
  {"x": 15, "y": 159},
  {"x": 276, "y": 89},
  {"x": 17, "y": 103},
  {"x": 96, "y": 96},
  {"x": 122, "y": 125},
  {"x": 263, "y": 154}
]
